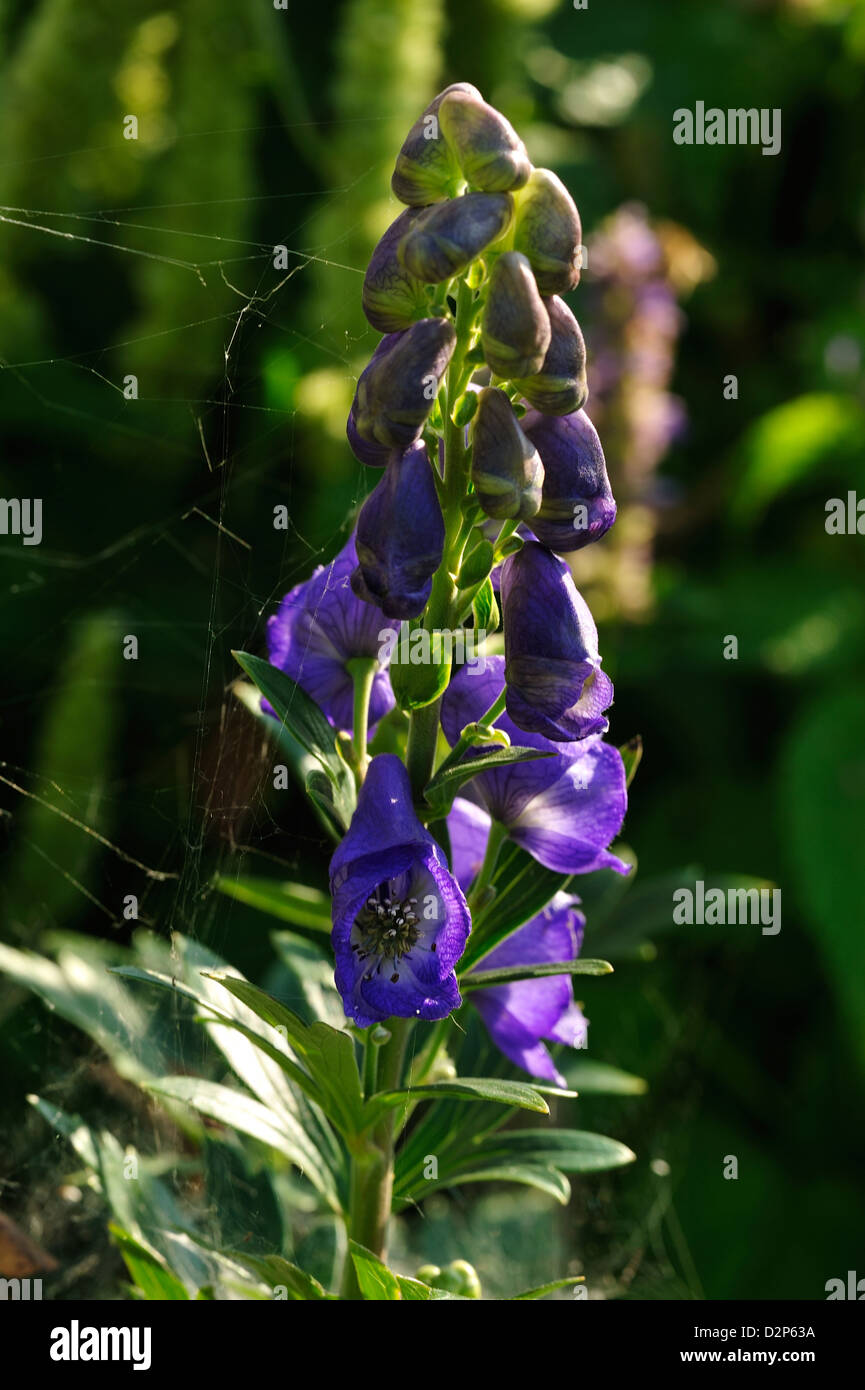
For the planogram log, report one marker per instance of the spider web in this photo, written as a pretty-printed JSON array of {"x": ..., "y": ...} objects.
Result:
[{"x": 214, "y": 788}]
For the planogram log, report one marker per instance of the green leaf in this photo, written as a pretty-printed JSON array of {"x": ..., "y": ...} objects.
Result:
[
  {"x": 51, "y": 867},
  {"x": 82, "y": 992},
  {"x": 377, "y": 1283},
  {"x": 599, "y": 1078},
  {"x": 483, "y": 979},
  {"x": 303, "y": 718},
  {"x": 442, "y": 789},
  {"x": 514, "y": 1093},
  {"x": 277, "y": 1272},
  {"x": 544, "y": 1179},
  {"x": 631, "y": 755},
  {"x": 248, "y": 1116},
  {"x": 523, "y": 889},
  {"x": 328, "y": 1052},
  {"x": 647, "y": 908},
  {"x": 413, "y": 1290},
  {"x": 226, "y": 1017},
  {"x": 290, "y": 902},
  {"x": 569, "y": 1150},
  {"x": 485, "y": 609},
  {"x": 543, "y": 1289},
  {"x": 150, "y": 1273},
  {"x": 822, "y": 786},
  {"x": 791, "y": 441}
]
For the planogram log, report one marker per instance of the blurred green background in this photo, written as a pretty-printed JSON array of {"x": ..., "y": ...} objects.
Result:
[{"x": 158, "y": 259}]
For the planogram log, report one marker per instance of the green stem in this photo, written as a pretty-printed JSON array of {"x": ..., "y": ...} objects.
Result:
[
  {"x": 372, "y": 1163},
  {"x": 424, "y": 723},
  {"x": 363, "y": 671},
  {"x": 463, "y": 743},
  {"x": 498, "y": 835}
]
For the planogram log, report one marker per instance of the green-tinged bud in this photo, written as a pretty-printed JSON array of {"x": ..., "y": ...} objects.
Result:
[
  {"x": 396, "y": 392},
  {"x": 461, "y": 1278},
  {"x": 466, "y": 408},
  {"x": 507, "y": 472},
  {"x": 420, "y": 666},
  {"x": 515, "y": 331},
  {"x": 392, "y": 298},
  {"x": 560, "y": 387},
  {"x": 426, "y": 166},
  {"x": 449, "y": 236},
  {"x": 490, "y": 153},
  {"x": 477, "y": 565},
  {"x": 548, "y": 231},
  {"x": 510, "y": 547}
]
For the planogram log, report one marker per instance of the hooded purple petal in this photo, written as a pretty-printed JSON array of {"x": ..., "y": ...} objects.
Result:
[
  {"x": 319, "y": 626},
  {"x": 400, "y": 921},
  {"x": 400, "y": 537},
  {"x": 518, "y": 1016},
  {"x": 552, "y": 666},
  {"x": 577, "y": 505},
  {"x": 564, "y": 810}
]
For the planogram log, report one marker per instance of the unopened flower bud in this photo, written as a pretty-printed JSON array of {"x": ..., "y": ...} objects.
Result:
[
  {"x": 548, "y": 231},
  {"x": 507, "y": 472},
  {"x": 577, "y": 505},
  {"x": 396, "y": 392},
  {"x": 560, "y": 387},
  {"x": 400, "y": 537},
  {"x": 426, "y": 166},
  {"x": 366, "y": 450},
  {"x": 555, "y": 685},
  {"x": 449, "y": 236},
  {"x": 515, "y": 330},
  {"x": 458, "y": 1277},
  {"x": 490, "y": 153},
  {"x": 392, "y": 297}
]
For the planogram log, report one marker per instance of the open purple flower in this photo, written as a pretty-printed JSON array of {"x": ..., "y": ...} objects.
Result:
[
  {"x": 552, "y": 665},
  {"x": 400, "y": 537},
  {"x": 577, "y": 505},
  {"x": 564, "y": 810},
  {"x": 519, "y": 1017},
  {"x": 319, "y": 626},
  {"x": 400, "y": 920}
]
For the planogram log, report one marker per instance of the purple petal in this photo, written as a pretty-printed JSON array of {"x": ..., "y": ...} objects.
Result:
[
  {"x": 553, "y": 667},
  {"x": 577, "y": 505},
  {"x": 388, "y": 857},
  {"x": 318, "y": 627},
  {"x": 400, "y": 537}
]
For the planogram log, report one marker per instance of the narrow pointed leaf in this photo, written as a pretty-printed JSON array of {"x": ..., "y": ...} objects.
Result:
[
  {"x": 484, "y": 979},
  {"x": 543, "y": 1289}
]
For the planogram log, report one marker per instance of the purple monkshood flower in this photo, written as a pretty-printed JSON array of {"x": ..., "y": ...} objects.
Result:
[
  {"x": 400, "y": 537},
  {"x": 400, "y": 921},
  {"x": 552, "y": 665},
  {"x": 520, "y": 1016},
  {"x": 319, "y": 626},
  {"x": 577, "y": 505},
  {"x": 564, "y": 810}
]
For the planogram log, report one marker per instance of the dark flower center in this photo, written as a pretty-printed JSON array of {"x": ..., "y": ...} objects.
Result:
[{"x": 389, "y": 930}]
